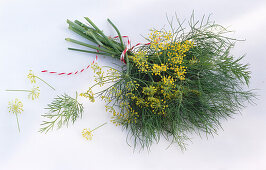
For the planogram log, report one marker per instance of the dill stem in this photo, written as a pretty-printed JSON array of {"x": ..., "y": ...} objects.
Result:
[
  {"x": 45, "y": 82},
  {"x": 19, "y": 90},
  {"x": 127, "y": 64},
  {"x": 17, "y": 122},
  {"x": 99, "y": 126},
  {"x": 151, "y": 77}
]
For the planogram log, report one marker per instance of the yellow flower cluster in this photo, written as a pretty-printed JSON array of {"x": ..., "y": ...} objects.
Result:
[
  {"x": 162, "y": 64},
  {"x": 167, "y": 84},
  {"x": 176, "y": 53},
  {"x": 150, "y": 98},
  {"x": 140, "y": 58},
  {"x": 149, "y": 91},
  {"x": 115, "y": 92},
  {"x": 111, "y": 109},
  {"x": 155, "y": 96},
  {"x": 106, "y": 99},
  {"x": 132, "y": 85},
  {"x": 34, "y": 93},
  {"x": 15, "y": 106},
  {"x": 31, "y": 77},
  {"x": 113, "y": 74},
  {"x": 99, "y": 77},
  {"x": 127, "y": 115},
  {"x": 89, "y": 94},
  {"x": 159, "y": 40},
  {"x": 87, "y": 134},
  {"x": 156, "y": 69}
]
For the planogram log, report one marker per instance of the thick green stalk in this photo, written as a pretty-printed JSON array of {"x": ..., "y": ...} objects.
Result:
[
  {"x": 86, "y": 51},
  {"x": 105, "y": 44},
  {"x": 91, "y": 34},
  {"x": 72, "y": 24},
  {"x": 81, "y": 34},
  {"x": 119, "y": 35},
  {"x": 81, "y": 31},
  {"x": 95, "y": 38},
  {"x": 100, "y": 32},
  {"x": 83, "y": 25},
  {"x": 90, "y": 46}
]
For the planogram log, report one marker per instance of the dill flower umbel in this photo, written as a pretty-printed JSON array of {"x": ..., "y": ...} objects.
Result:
[
  {"x": 34, "y": 93},
  {"x": 141, "y": 60},
  {"x": 89, "y": 94},
  {"x": 16, "y": 107},
  {"x": 87, "y": 134},
  {"x": 32, "y": 77}
]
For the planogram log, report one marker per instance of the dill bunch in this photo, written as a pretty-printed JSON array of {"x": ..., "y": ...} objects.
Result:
[
  {"x": 61, "y": 111},
  {"x": 181, "y": 82}
]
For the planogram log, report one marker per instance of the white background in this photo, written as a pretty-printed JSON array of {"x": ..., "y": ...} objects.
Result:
[{"x": 32, "y": 36}]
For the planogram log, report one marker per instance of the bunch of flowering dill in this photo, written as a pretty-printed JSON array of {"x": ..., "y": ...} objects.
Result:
[{"x": 181, "y": 82}]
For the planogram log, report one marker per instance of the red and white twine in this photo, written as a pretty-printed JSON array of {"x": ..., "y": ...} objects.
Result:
[{"x": 122, "y": 58}]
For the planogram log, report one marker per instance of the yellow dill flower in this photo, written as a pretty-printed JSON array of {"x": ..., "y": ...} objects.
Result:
[
  {"x": 159, "y": 40},
  {"x": 96, "y": 68},
  {"x": 87, "y": 134},
  {"x": 132, "y": 85},
  {"x": 154, "y": 102},
  {"x": 31, "y": 77},
  {"x": 106, "y": 99},
  {"x": 156, "y": 69},
  {"x": 111, "y": 109},
  {"x": 168, "y": 81},
  {"x": 16, "y": 107},
  {"x": 89, "y": 94},
  {"x": 140, "y": 102},
  {"x": 34, "y": 93},
  {"x": 113, "y": 73},
  {"x": 151, "y": 90},
  {"x": 99, "y": 77},
  {"x": 141, "y": 60},
  {"x": 180, "y": 72},
  {"x": 167, "y": 85}
]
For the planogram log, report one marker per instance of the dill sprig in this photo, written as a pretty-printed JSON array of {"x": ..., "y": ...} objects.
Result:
[
  {"x": 16, "y": 107},
  {"x": 61, "y": 111}
]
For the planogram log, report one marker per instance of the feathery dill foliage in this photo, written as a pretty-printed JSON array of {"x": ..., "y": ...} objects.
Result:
[
  {"x": 183, "y": 82},
  {"x": 61, "y": 111}
]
